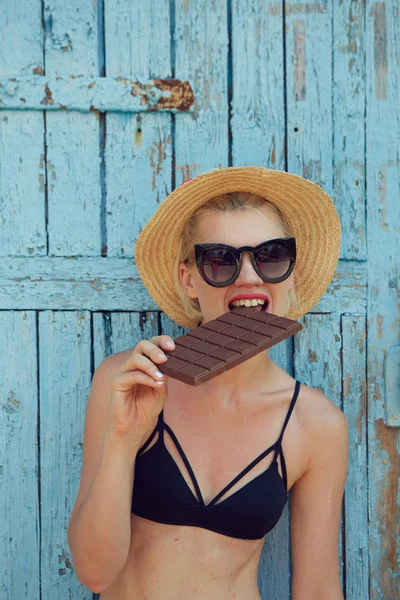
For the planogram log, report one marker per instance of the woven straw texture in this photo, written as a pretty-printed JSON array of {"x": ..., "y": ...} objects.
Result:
[{"x": 309, "y": 211}]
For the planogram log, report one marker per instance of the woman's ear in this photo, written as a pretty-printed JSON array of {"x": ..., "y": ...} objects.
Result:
[{"x": 186, "y": 277}]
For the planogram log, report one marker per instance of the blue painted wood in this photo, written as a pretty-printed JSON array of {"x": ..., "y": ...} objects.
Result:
[
  {"x": 64, "y": 378},
  {"x": 201, "y": 55},
  {"x": 19, "y": 458},
  {"x": 383, "y": 251},
  {"x": 72, "y": 139},
  {"x": 138, "y": 148},
  {"x": 85, "y": 94},
  {"x": 22, "y": 168},
  {"x": 348, "y": 106}
]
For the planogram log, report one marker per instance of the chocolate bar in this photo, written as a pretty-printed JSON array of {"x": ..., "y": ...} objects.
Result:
[{"x": 225, "y": 342}]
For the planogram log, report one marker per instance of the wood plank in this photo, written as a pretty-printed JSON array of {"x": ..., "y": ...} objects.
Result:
[
  {"x": 354, "y": 387},
  {"x": 119, "y": 331},
  {"x": 114, "y": 284},
  {"x": 138, "y": 151},
  {"x": 201, "y": 54},
  {"x": 348, "y": 125},
  {"x": 19, "y": 459},
  {"x": 309, "y": 102},
  {"x": 73, "y": 139},
  {"x": 258, "y": 138},
  {"x": 383, "y": 251},
  {"x": 258, "y": 94},
  {"x": 65, "y": 374},
  {"x": 21, "y": 136},
  {"x": 85, "y": 94},
  {"x": 318, "y": 364}
]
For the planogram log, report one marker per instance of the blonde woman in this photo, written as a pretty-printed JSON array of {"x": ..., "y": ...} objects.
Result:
[{"x": 180, "y": 484}]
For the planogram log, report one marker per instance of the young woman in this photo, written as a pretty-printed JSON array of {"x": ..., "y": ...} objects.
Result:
[{"x": 180, "y": 484}]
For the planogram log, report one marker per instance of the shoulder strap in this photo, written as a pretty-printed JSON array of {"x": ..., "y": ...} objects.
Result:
[{"x": 289, "y": 412}]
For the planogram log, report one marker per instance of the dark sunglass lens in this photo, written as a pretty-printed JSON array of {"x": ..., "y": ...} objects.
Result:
[
  {"x": 219, "y": 265},
  {"x": 273, "y": 261}
]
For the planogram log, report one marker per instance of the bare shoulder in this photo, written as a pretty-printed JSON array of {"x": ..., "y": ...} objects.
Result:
[{"x": 323, "y": 421}]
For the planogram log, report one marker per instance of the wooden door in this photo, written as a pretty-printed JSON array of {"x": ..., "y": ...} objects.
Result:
[{"x": 105, "y": 107}]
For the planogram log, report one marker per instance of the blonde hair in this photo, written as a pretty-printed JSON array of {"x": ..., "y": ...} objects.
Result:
[{"x": 185, "y": 253}]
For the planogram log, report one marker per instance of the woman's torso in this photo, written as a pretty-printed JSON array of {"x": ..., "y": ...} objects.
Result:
[{"x": 173, "y": 562}]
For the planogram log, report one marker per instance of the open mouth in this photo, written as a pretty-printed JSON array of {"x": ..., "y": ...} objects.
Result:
[{"x": 261, "y": 307}]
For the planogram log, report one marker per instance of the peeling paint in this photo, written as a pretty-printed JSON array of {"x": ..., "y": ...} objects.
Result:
[
  {"x": 158, "y": 149},
  {"x": 379, "y": 320},
  {"x": 298, "y": 9},
  {"x": 386, "y": 505},
  {"x": 312, "y": 356},
  {"x": 299, "y": 60},
  {"x": 380, "y": 50},
  {"x": 48, "y": 99}
]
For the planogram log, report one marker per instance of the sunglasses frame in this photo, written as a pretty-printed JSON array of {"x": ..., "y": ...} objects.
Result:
[{"x": 288, "y": 243}]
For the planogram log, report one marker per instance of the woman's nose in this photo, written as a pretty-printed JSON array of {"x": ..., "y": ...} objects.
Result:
[{"x": 247, "y": 274}]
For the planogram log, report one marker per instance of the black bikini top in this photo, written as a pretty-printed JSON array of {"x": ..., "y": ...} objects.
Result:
[{"x": 161, "y": 494}]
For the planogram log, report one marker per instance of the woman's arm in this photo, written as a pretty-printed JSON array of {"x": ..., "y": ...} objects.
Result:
[
  {"x": 315, "y": 506},
  {"x": 99, "y": 530}
]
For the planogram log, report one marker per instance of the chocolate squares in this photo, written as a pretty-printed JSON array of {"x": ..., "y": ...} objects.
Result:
[{"x": 225, "y": 342}]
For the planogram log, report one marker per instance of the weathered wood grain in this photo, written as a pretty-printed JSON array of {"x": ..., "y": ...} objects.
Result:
[
  {"x": 354, "y": 394},
  {"x": 309, "y": 91},
  {"x": 201, "y": 54},
  {"x": 258, "y": 85},
  {"x": 85, "y": 94},
  {"x": 138, "y": 148},
  {"x": 383, "y": 251},
  {"x": 64, "y": 380},
  {"x": 318, "y": 364},
  {"x": 22, "y": 215},
  {"x": 348, "y": 105},
  {"x": 72, "y": 139},
  {"x": 116, "y": 332},
  {"x": 19, "y": 457}
]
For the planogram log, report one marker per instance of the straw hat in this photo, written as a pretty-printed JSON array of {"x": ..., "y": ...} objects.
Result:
[{"x": 309, "y": 211}]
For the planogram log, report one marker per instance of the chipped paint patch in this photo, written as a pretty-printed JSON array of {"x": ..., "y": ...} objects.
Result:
[
  {"x": 380, "y": 50},
  {"x": 299, "y": 60},
  {"x": 386, "y": 507}
]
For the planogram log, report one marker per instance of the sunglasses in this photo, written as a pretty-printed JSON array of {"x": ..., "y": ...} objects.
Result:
[{"x": 219, "y": 264}]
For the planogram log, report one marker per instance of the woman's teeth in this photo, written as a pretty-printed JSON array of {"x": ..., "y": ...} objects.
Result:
[{"x": 248, "y": 302}]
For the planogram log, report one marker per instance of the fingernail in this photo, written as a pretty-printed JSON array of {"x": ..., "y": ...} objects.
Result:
[
  {"x": 159, "y": 374},
  {"x": 170, "y": 344}
]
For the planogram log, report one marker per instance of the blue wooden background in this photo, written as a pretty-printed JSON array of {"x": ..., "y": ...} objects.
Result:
[{"x": 91, "y": 142}]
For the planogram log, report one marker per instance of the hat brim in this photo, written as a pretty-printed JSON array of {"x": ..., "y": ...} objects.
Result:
[{"x": 309, "y": 211}]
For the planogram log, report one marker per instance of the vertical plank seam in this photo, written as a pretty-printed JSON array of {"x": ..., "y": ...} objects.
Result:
[
  {"x": 172, "y": 115},
  {"x": 366, "y": 291},
  {"x": 38, "y": 451},
  {"x": 229, "y": 79},
  {"x": 343, "y": 532},
  {"x": 101, "y": 58},
  {"x": 285, "y": 99},
  {"x": 46, "y": 195}
]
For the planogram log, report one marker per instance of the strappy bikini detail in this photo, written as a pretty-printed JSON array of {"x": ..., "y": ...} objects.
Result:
[{"x": 183, "y": 508}]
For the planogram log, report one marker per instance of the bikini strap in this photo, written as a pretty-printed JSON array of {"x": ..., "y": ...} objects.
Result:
[
  {"x": 288, "y": 414},
  {"x": 160, "y": 424}
]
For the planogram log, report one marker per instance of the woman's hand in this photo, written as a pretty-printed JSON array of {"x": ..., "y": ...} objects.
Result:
[{"x": 138, "y": 394}]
